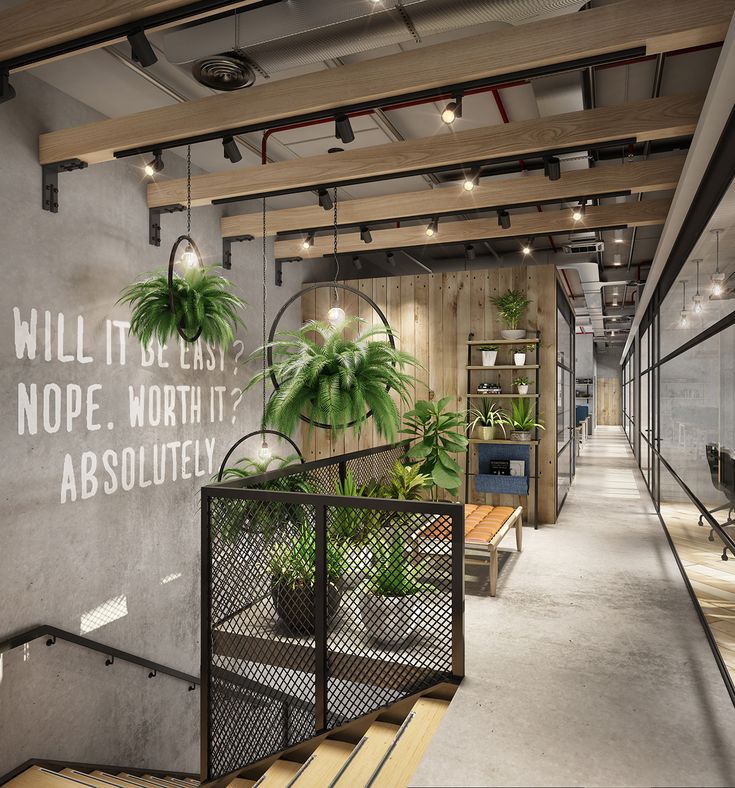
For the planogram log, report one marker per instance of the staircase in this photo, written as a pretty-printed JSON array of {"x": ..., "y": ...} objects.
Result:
[{"x": 385, "y": 757}]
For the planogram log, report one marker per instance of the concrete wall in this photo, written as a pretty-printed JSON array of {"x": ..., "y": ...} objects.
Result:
[{"x": 78, "y": 550}]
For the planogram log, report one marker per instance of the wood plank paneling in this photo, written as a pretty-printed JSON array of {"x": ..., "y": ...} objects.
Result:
[
  {"x": 640, "y": 176},
  {"x": 608, "y": 401},
  {"x": 433, "y": 315},
  {"x": 630, "y": 214},
  {"x": 651, "y": 119},
  {"x": 655, "y": 26}
]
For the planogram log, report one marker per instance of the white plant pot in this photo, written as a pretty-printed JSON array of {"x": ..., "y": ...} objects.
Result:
[
  {"x": 488, "y": 358},
  {"x": 522, "y": 389},
  {"x": 513, "y": 333},
  {"x": 388, "y": 620},
  {"x": 519, "y": 359}
]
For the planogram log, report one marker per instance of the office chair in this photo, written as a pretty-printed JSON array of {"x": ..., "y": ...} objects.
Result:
[{"x": 722, "y": 470}]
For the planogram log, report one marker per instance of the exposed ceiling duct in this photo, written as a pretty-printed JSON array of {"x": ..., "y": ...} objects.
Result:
[
  {"x": 295, "y": 34},
  {"x": 589, "y": 277}
]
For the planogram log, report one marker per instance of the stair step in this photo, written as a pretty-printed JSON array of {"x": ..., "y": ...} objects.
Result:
[
  {"x": 367, "y": 755},
  {"x": 112, "y": 779},
  {"x": 240, "y": 782},
  {"x": 37, "y": 777},
  {"x": 168, "y": 781},
  {"x": 324, "y": 764},
  {"x": 279, "y": 775},
  {"x": 141, "y": 781},
  {"x": 88, "y": 779},
  {"x": 411, "y": 744}
]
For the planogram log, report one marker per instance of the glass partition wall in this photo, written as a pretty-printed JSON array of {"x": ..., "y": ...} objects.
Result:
[{"x": 565, "y": 401}]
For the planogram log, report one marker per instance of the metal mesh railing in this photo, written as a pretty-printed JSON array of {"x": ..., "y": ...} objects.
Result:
[{"x": 318, "y": 608}]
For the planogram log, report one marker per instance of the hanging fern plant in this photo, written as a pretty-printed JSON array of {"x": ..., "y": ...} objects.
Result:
[
  {"x": 204, "y": 305},
  {"x": 335, "y": 381}
]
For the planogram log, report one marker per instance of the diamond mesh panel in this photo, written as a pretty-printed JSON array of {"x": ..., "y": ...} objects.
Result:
[{"x": 389, "y": 608}]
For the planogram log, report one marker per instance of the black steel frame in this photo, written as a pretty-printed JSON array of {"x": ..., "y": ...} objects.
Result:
[
  {"x": 562, "y": 305},
  {"x": 242, "y": 440},
  {"x": 246, "y": 489}
]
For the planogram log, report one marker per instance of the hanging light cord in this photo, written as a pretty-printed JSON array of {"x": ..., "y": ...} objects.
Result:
[
  {"x": 336, "y": 257},
  {"x": 717, "y": 247},
  {"x": 188, "y": 190},
  {"x": 265, "y": 298}
]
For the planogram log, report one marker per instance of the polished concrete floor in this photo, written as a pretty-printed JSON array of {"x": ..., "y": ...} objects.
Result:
[{"x": 590, "y": 667}]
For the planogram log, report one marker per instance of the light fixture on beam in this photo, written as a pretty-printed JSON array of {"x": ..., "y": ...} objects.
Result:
[
  {"x": 343, "y": 129},
  {"x": 527, "y": 248},
  {"x": 357, "y": 263},
  {"x": 154, "y": 165},
  {"x": 325, "y": 200},
  {"x": 471, "y": 179},
  {"x": 469, "y": 252},
  {"x": 504, "y": 219},
  {"x": 452, "y": 111},
  {"x": 432, "y": 228},
  {"x": 617, "y": 259},
  {"x": 390, "y": 258},
  {"x": 552, "y": 168},
  {"x": 365, "y": 234},
  {"x": 231, "y": 151},
  {"x": 618, "y": 237},
  {"x": 141, "y": 48},
  {"x": 308, "y": 241},
  {"x": 578, "y": 212}
]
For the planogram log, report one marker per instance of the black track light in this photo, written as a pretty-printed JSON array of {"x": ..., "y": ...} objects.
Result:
[
  {"x": 504, "y": 219},
  {"x": 357, "y": 263},
  {"x": 155, "y": 165},
  {"x": 365, "y": 235},
  {"x": 325, "y": 200},
  {"x": 232, "y": 152},
  {"x": 7, "y": 91},
  {"x": 432, "y": 228},
  {"x": 390, "y": 258},
  {"x": 578, "y": 211},
  {"x": 469, "y": 252},
  {"x": 142, "y": 50},
  {"x": 308, "y": 242},
  {"x": 452, "y": 111},
  {"x": 552, "y": 168},
  {"x": 343, "y": 129},
  {"x": 471, "y": 179},
  {"x": 527, "y": 247}
]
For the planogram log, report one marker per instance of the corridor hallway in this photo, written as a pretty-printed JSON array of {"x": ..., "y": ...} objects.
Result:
[{"x": 590, "y": 667}]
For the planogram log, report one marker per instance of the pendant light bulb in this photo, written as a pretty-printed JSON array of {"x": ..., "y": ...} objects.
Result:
[
  {"x": 718, "y": 278},
  {"x": 697, "y": 301},
  {"x": 684, "y": 319},
  {"x": 189, "y": 257},
  {"x": 336, "y": 316},
  {"x": 264, "y": 452}
]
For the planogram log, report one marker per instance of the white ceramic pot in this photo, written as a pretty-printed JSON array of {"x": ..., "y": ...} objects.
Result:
[
  {"x": 519, "y": 359},
  {"x": 513, "y": 333},
  {"x": 489, "y": 357},
  {"x": 517, "y": 435},
  {"x": 388, "y": 620},
  {"x": 522, "y": 389}
]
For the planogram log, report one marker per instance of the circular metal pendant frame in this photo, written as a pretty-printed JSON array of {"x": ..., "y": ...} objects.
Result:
[
  {"x": 171, "y": 261},
  {"x": 232, "y": 448}
]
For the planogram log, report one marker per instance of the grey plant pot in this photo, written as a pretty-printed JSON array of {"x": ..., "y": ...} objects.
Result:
[
  {"x": 484, "y": 433},
  {"x": 513, "y": 333},
  {"x": 388, "y": 620},
  {"x": 520, "y": 435}
]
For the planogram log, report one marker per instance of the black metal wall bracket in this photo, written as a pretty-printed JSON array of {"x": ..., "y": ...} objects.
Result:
[
  {"x": 227, "y": 248},
  {"x": 154, "y": 221},
  {"x": 279, "y": 267},
  {"x": 50, "y": 181},
  {"x": 7, "y": 91}
]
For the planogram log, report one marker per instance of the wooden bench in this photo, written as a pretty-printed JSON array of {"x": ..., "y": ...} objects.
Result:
[{"x": 485, "y": 527}]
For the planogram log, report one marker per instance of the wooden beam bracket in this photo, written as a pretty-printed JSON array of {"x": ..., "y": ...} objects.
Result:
[
  {"x": 154, "y": 221},
  {"x": 227, "y": 248},
  {"x": 50, "y": 181}
]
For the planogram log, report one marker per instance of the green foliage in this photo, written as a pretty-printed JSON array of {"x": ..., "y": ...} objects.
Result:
[
  {"x": 338, "y": 381},
  {"x": 201, "y": 299},
  {"x": 524, "y": 348},
  {"x": 436, "y": 432},
  {"x": 522, "y": 417},
  {"x": 488, "y": 347},
  {"x": 486, "y": 414},
  {"x": 512, "y": 305},
  {"x": 292, "y": 563},
  {"x": 347, "y": 524},
  {"x": 246, "y": 466},
  {"x": 393, "y": 573},
  {"x": 406, "y": 482},
  {"x": 522, "y": 380}
]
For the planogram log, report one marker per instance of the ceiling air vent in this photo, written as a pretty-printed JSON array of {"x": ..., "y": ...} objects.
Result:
[
  {"x": 224, "y": 72},
  {"x": 584, "y": 247}
]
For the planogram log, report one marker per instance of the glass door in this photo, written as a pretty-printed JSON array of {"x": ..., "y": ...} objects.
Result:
[{"x": 565, "y": 415}]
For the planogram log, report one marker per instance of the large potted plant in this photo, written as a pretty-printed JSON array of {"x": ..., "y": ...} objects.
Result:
[
  {"x": 489, "y": 355},
  {"x": 512, "y": 306},
  {"x": 436, "y": 433},
  {"x": 484, "y": 419},
  {"x": 204, "y": 305},
  {"x": 335, "y": 381},
  {"x": 293, "y": 580},
  {"x": 522, "y": 419}
]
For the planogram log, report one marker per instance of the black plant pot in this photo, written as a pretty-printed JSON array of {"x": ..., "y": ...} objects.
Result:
[{"x": 295, "y": 606}]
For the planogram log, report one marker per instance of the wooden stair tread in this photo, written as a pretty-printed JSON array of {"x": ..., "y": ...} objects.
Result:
[
  {"x": 280, "y": 774},
  {"x": 326, "y": 761},
  {"x": 87, "y": 778},
  {"x": 111, "y": 778},
  {"x": 239, "y": 782},
  {"x": 36, "y": 777},
  {"x": 136, "y": 780},
  {"x": 410, "y": 748},
  {"x": 175, "y": 780},
  {"x": 378, "y": 739}
]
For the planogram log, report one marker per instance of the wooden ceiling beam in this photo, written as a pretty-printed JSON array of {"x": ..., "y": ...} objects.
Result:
[
  {"x": 39, "y": 31},
  {"x": 652, "y": 119},
  {"x": 636, "y": 177},
  {"x": 569, "y": 41},
  {"x": 524, "y": 225}
]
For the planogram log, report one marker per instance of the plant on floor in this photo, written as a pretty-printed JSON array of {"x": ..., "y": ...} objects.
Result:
[
  {"x": 512, "y": 306},
  {"x": 247, "y": 466},
  {"x": 336, "y": 381},
  {"x": 406, "y": 483},
  {"x": 522, "y": 419},
  {"x": 347, "y": 523},
  {"x": 436, "y": 433},
  {"x": 202, "y": 300},
  {"x": 484, "y": 418}
]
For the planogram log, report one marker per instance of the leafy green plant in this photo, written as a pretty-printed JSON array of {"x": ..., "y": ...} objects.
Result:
[
  {"x": 393, "y": 573},
  {"x": 522, "y": 417},
  {"x": 522, "y": 380},
  {"x": 347, "y": 524},
  {"x": 338, "y": 381},
  {"x": 247, "y": 466},
  {"x": 486, "y": 414},
  {"x": 511, "y": 305},
  {"x": 488, "y": 347},
  {"x": 292, "y": 563},
  {"x": 436, "y": 432},
  {"x": 406, "y": 482},
  {"x": 202, "y": 299},
  {"x": 524, "y": 348}
]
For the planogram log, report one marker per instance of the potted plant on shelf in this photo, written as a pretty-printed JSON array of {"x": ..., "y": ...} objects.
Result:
[
  {"x": 519, "y": 354},
  {"x": 484, "y": 419},
  {"x": 336, "y": 381},
  {"x": 512, "y": 305},
  {"x": 202, "y": 301},
  {"x": 521, "y": 384},
  {"x": 436, "y": 435},
  {"x": 489, "y": 355},
  {"x": 293, "y": 580},
  {"x": 522, "y": 419}
]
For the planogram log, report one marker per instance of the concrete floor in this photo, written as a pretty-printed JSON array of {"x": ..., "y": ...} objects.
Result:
[{"x": 590, "y": 667}]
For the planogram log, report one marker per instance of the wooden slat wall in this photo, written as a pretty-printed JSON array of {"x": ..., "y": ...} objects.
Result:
[{"x": 433, "y": 315}]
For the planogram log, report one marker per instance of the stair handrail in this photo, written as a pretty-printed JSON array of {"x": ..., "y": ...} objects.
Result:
[{"x": 54, "y": 633}]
